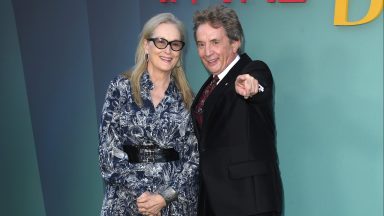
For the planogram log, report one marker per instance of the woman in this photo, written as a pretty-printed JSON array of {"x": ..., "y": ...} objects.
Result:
[{"x": 148, "y": 152}]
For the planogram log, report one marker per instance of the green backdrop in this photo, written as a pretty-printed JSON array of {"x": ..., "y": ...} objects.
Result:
[{"x": 57, "y": 57}]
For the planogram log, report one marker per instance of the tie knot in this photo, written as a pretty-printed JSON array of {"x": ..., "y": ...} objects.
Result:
[{"x": 215, "y": 79}]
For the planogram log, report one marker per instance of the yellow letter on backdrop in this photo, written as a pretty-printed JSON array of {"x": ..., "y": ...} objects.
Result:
[{"x": 341, "y": 12}]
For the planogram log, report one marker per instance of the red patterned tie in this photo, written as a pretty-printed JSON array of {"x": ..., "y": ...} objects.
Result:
[{"x": 204, "y": 95}]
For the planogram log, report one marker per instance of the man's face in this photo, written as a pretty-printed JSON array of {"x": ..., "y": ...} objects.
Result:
[{"x": 215, "y": 49}]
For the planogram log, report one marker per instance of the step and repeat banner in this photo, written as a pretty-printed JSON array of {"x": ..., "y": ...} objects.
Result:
[{"x": 57, "y": 58}]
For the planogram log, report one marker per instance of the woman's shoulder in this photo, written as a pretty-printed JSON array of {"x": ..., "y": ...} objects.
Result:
[{"x": 121, "y": 80}]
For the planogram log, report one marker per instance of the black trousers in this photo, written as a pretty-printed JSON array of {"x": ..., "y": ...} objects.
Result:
[
  {"x": 206, "y": 210},
  {"x": 268, "y": 214}
]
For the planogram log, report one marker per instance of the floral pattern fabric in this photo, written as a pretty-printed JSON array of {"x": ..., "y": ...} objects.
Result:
[{"x": 167, "y": 125}]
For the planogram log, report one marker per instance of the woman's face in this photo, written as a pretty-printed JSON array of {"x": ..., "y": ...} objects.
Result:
[{"x": 163, "y": 60}]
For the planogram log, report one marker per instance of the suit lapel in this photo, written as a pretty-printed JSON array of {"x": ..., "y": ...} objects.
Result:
[
  {"x": 227, "y": 82},
  {"x": 235, "y": 71}
]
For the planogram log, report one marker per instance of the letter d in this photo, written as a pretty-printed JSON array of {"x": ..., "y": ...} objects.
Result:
[{"x": 341, "y": 13}]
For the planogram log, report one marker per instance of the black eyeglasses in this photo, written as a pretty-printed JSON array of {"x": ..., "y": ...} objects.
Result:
[{"x": 161, "y": 43}]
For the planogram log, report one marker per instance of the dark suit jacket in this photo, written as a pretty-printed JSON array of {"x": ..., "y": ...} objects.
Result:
[{"x": 237, "y": 143}]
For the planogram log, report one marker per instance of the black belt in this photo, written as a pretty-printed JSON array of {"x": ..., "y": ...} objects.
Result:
[{"x": 150, "y": 154}]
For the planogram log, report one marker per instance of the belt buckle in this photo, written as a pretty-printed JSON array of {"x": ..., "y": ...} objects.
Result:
[{"x": 148, "y": 155}]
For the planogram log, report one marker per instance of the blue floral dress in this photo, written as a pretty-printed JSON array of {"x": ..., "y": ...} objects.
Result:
[{"x": 167, "y": 125}]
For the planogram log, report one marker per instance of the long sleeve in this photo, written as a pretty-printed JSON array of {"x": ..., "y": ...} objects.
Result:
[
  {"x": 260, "y": 71},
  {"x": 184, "y": 181},
  {"x": 113, "y": 161}
]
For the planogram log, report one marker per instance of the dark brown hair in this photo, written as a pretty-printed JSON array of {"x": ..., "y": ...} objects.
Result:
[{"x": 220, "y": 16}]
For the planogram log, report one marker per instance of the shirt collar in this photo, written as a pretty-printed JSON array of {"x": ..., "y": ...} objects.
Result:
[
  {"x": 147, "y": 84},
  {"x": 229, "y": 67}
]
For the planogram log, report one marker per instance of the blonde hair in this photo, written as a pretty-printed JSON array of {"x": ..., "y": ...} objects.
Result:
[{"x": 178, "y": 74}]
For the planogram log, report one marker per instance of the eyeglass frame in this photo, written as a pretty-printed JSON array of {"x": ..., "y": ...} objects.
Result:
[{"x": 168, "y": 43}]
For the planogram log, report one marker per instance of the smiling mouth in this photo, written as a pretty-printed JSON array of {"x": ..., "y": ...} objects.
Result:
[
  {"x": 211, "y": 62},
  {"x": 166, "y": 59}
]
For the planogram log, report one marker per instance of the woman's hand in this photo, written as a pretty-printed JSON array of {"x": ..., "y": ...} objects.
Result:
[{"x": 150, "y": 204}]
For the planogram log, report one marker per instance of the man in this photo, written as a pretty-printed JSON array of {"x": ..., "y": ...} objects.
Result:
[{"x": 235, "y": 123}]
